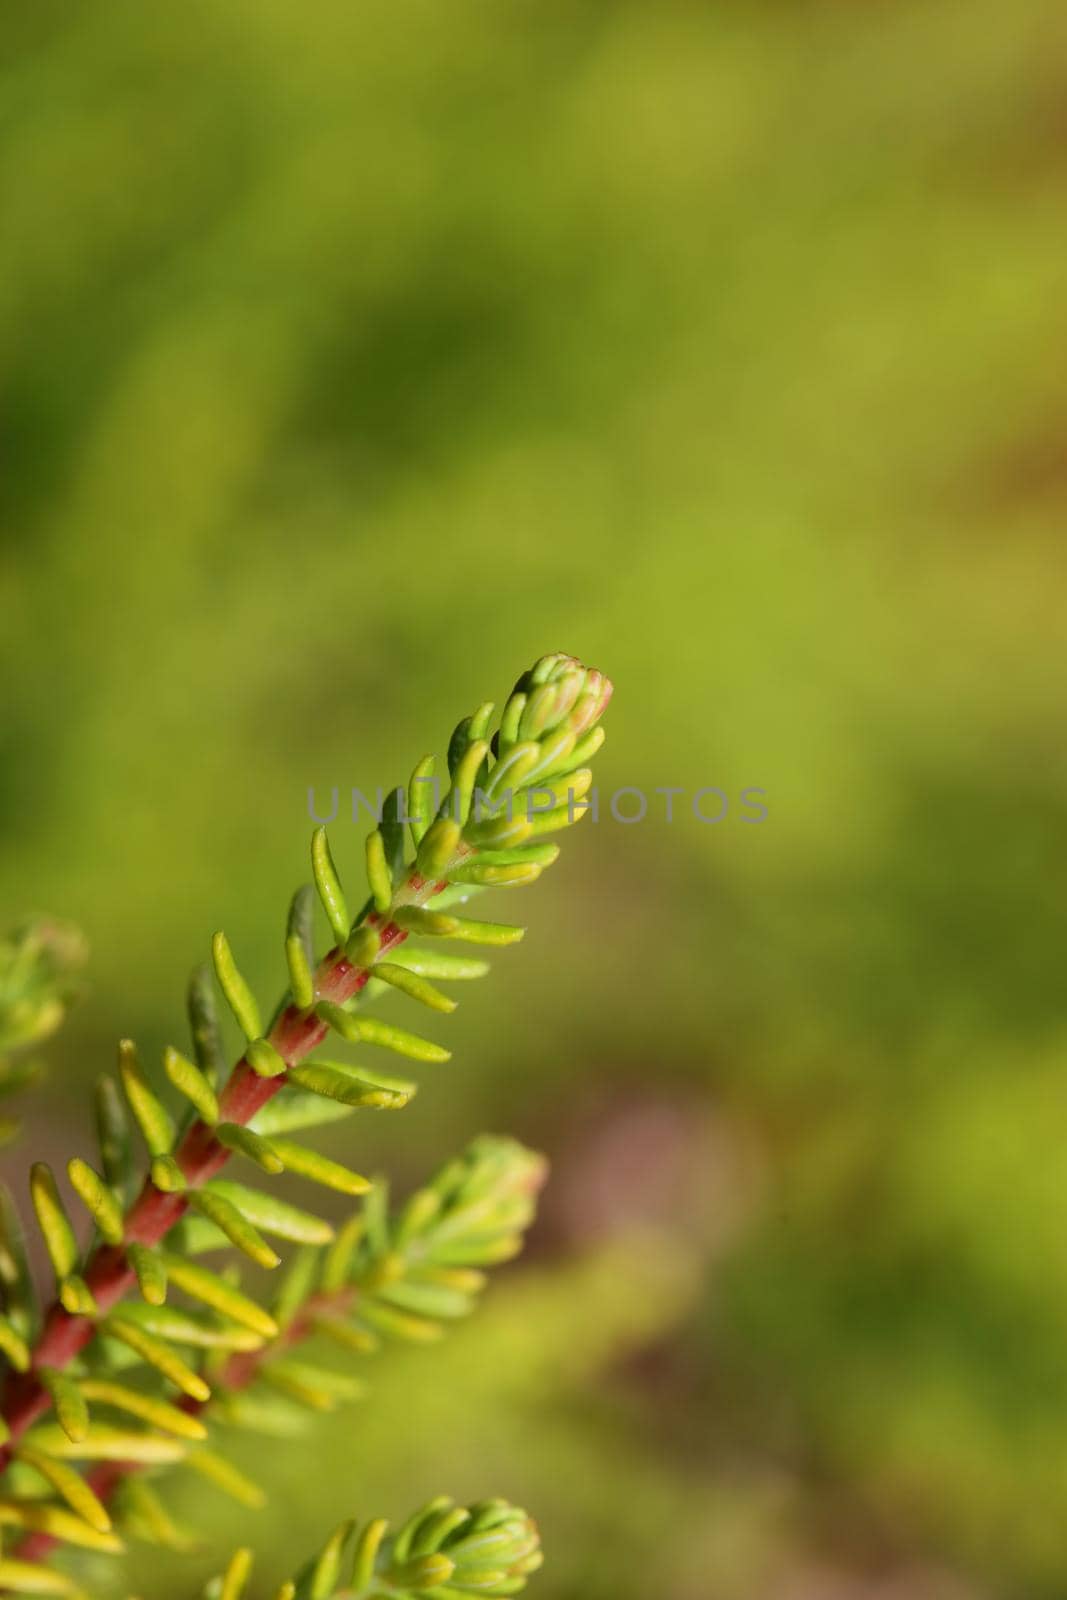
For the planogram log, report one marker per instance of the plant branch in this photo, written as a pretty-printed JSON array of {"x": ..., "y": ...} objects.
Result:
[
  {"x": 476, "y": 1208},
  {"x": 109, "y": 1275},
  {"x": 472, "y": 1214},
  {"x": 243, "y": 1367}
]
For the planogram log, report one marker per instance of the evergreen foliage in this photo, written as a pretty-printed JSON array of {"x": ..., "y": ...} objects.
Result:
[{"x": 124, "y": 1373}]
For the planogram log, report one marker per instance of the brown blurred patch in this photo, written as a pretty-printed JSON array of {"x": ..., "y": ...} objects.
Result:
[
  {"x": 1030, "y": 470},
  {"x": 905, "y": 1583},
  {"x": 670, "y": 1160}
]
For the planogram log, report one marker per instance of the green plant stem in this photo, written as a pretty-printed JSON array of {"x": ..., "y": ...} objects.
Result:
[
  {"x": 108, "y": 1274},
  {"x": 241, "y": 1370}
]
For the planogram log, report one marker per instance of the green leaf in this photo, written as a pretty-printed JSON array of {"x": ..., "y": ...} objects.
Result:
[
  {"x": 498, "y": 832},
  {"x": 236, "y": 992},
  {"x": 370, "y": 1030},
  {"x": 376, "y": 1218},
  {"x": 154, "y": 1121},
  {"x": 363, "y": 946},
  {"x": 339, "y": 1257},
  {"x": 146, "y": 1407},
  {"x": 366, "y": 1551},
  {"x": 204, "y": 1025},
  {"x": 157, "y": 1353},
  {"x": 467, "y": 1280},
  {"x": 422, "y": 803},
  {"x": 486, "y": 876},
  {"x": 568, "y": 789},
  {"x": 296, "y": 1108},
  {"x": 371, "y": 1075},
  {"x": 53, "y": 1221},
  {"x": 438, "y": 964},
  {"x": 422, "y": 1209},
  {"x": 151, "y": 1277},
  {"x": 512, "y": 771},
  {"x": 329, "y": 886},
  {"x": 319, "y": 1169},
  {"x": 392, "y": 830},
  {"x": 301, "y": 978},
  {"x": 274, "y": 1216},
  {"x": 537, "y": 712},
  {"x": 253, "y": 1145},
  {"x": 104, "y": 1443},
  {"x": 312, "y": 1386},
  {"x": 76, "y": 1297},
  {"x": 437, "y": 1527},
  {"x": 466, "y": 774},
  {"x": 225, "y": 1476},
  {"x": 20, "y": 1300},
  {"x": 405, "y": 1536},
  {"x": 219, "y": 1209},
  {"x": 180, "y": 1326},
  {"x": 300, "y": 946},
  {"x": 300, "y": 923},
  {"x": 113, "y": 1137},
  {"x": 167, "y": 1176},
  {"x": 410, "y": 983},
  {"x": 554, "y": 821},
  {"x": 14, "y": 1346},
  {"x": 145, "y": 1515},
  {"x": 300, "y": 1278},
  {"x": 190, "y": 1081},
  {"x": 261, "y": 1410},
  {"x": 98, "y": 1200},
  {"x": 214, "y": 1291},
  {"x": 400, "y": 1324},
  {"x": 347, "y": 1334},
  {"x": 336, "y": 1017},
  {"x": 55, "y": 1523},
  {"x": 264, "y": 1059},
  {"x": 432, "y": 924},
  {"x": 441, "y": 1552},
  {"x": 327, "y": 1569},
  {"x": 492, "y": 933},
  {"x": 378, "y": 874},
  {"x": 422, "y": 1572},
  {"x": 28, "y": 1577},
  {"x": 440, "y": 844},
  {"x": 489, "y": 1252},
  {"x": 236, "y": 1576},
  {"x": 543, "y": 854},
  {"x": 195, "y": 1235},
  {"x": 68, "y": 1484},
  {"x": 426, "y": 1300},
  {"x": 335, "y": 1084},
  {"x": 71, "y": 1410},
  {"x": 578, "y": 757}
]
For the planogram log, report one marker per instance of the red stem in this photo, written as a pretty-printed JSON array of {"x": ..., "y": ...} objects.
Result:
[
  {"x": 106, "y": 1478},
  {"x": 243, "y": 1366},
  {"x": 103, "y": 1480},
  {"x": 200, "y": 1156}
]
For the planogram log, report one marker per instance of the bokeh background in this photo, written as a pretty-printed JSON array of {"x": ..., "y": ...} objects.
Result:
[{"x": 354, "y": 355}]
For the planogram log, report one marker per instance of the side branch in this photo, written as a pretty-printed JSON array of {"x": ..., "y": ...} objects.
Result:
[{"x": 201, "y": 1157}]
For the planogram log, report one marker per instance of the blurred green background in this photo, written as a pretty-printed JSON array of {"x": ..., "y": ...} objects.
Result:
[{"x": 353, "y": 356}]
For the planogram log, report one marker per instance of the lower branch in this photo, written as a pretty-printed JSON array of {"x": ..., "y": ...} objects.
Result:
[{"x": 201, "y": 1157}]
